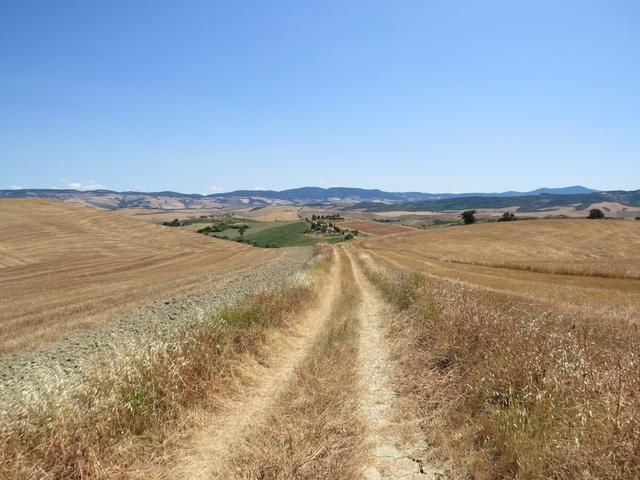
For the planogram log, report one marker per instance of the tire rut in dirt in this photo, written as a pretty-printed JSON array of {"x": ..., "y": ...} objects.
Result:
[
  {"x": 315, "y": 429},
  {"x": 395, "y": 444}
]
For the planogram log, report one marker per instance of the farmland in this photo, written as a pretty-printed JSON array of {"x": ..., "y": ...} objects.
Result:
[
  {"x": 571, "y": 266},
  {"x": 270, "y": 234},
  {"x": 374, "y": 228},
  {"x": 501, "y": 319},
  {"x": 525, "y": 330},
  {"x": 64, "y": 267}
]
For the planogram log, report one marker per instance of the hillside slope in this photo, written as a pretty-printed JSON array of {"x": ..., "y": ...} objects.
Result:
[
  {"x": 64, "y": 267},
  {"x": 573, "y": 266}
]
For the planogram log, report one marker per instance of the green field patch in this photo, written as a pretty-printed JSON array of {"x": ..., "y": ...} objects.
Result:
[
  {"x": 254, "y": 227},
  {"x": 259, "y": 234},
  {"x": 290, "y": 234}
]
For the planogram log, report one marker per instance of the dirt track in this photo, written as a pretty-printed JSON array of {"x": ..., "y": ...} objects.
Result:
[
  {"x": 334, "y": 370},
  {"x": 395, "y": 439}
]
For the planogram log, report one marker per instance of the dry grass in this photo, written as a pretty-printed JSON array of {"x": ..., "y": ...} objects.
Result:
[
  {"x": 64, "y": 267},
  {"x": 577, "y": 267},
  {"x": 133, "y": 401},
  {"x": 315, "y": 431},
  {"x": 272, "y": 213},
  {"x": 507, "y": 392}
]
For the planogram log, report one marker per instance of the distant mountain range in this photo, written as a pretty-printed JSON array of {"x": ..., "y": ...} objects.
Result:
[
  {"x": 339, "y": 196},
  {"x": 524, "y": 203},
  {"x": 370, "y": 200},
  {"x": 317, "y": 194}
]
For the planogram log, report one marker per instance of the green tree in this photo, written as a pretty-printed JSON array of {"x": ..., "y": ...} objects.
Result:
[
  {"x": 173, "y": 223},
  {"x": 595, "y": 213},
  {"x": 468, "y": 216},
  {"x": 241, "y": 230},
  {"x": 507, "y": 217}
]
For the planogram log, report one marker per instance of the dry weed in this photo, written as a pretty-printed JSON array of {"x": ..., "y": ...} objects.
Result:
[{"x": 510, "y": 392}]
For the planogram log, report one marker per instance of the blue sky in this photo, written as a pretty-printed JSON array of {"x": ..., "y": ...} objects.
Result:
[{"x": 205, "y": 96}]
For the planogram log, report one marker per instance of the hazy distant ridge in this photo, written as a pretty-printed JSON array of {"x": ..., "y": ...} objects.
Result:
[
  {"x": 525, "y": 203},
  {"x": 318, "y": 194},
  {"x": 370, "y": 199}
]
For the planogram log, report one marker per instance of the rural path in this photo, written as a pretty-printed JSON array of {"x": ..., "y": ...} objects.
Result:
[
  {"x": 395, "y": 439},
  {"x": 207, "y": 452},
  {"x": 389, "y": 443}
]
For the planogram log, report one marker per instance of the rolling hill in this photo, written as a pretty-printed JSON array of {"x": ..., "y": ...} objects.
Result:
[{"x": 65, "y": 267}]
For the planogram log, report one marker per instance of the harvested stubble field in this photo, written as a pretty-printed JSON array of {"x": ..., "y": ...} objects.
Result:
[
  {"x": 585, "y": 267},
  {"x": 135, "y": 402},
  {"x": 64, "y": 267}
]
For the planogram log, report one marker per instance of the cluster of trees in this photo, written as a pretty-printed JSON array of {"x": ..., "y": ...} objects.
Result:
[
  {"x": 318, "y": 224},
  {"x": 173, "y": 223},
  {"x": 333, "y": 216},
  {"x": 324, "y": 227},
  {"x": 211, "y": 229},
  {"x": 508, "y": 217},
  {"x": 469, "y": 216},
  {"x": 221, "y": 226}
]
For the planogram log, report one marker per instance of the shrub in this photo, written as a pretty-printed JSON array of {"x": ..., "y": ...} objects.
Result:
[
  {"x": 507, "y": 217},
  {"x": 173, "y": 223},
  {"x": 468, "y": 216},
  {"x": 595, "y": 213}
]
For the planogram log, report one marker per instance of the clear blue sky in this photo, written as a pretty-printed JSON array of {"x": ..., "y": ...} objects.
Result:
[{"x": 203, "y": 96}]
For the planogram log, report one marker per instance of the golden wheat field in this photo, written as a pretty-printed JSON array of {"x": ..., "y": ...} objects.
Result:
[
  {"x": 572, "y": 266},
  {"x": 65, "y": 267}
]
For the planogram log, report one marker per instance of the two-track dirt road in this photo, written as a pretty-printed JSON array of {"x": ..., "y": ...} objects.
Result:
[{"x": 322, "y": 406}]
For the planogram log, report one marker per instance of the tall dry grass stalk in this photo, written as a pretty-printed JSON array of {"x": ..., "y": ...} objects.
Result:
[
  {"x": 131, "y": 402},
  {"x": 506, "y": 391}
]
